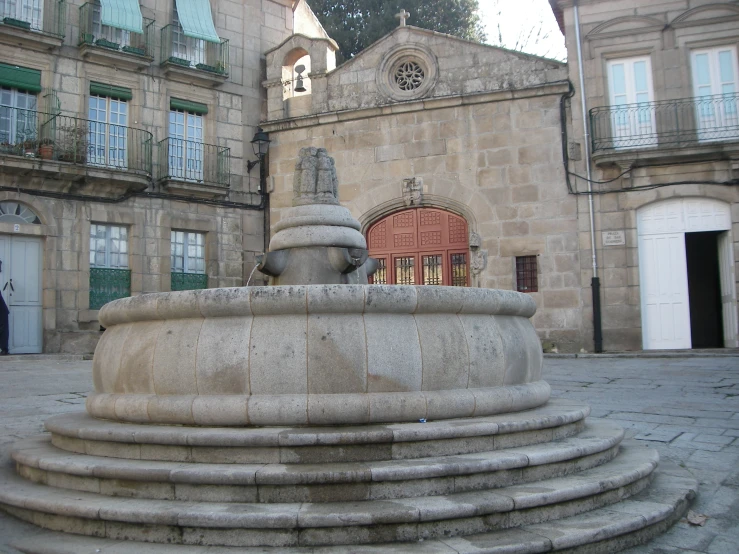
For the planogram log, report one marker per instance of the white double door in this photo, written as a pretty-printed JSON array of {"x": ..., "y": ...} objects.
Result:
[
  {"x": 20, "y": 284},
  {"x": 663, "y": 269}
]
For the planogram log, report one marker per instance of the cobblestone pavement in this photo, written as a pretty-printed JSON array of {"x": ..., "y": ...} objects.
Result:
[{"x": 686, "y": 407}]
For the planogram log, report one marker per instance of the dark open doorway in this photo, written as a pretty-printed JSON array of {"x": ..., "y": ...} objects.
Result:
[{"x": 704, "y": 289}]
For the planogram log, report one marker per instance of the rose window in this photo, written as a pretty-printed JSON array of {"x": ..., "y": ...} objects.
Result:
[{"x": 409, "y": 75}]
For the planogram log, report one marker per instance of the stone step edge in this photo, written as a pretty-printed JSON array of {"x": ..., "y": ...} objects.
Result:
[
  {"x": 37, "y": 453},
  {"x": 639, "y": 463},
  {"x": 631, "y": 522},
  {"x": 556, "y": 412}
]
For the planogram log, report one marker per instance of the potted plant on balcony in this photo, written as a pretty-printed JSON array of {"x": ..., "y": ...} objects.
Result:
[
  {"x": 46, "y": 148},
  {"x": 72, "y": 143}
]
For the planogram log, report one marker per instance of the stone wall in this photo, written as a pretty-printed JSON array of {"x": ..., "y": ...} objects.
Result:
[{"x": 496, "y": 162}]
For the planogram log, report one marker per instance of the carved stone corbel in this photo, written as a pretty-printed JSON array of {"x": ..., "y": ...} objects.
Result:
[{"x": 412, "y": 191}]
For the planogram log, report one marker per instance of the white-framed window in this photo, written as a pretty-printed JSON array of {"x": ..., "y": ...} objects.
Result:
[
  {"x": 17, "y": 116},
  {"x": 119, "y": 36},
  {"x": 108, "y": 246},
  {"x": 108, "y": 132},
  {"x": 715, "y": 86},
  {"x": 23, "y": 10},
  {"x": 631, "y": 93},
  {"x": 188, "y": 252},
  {"x": 185, "y": 145},
  {"x": 187, "y": 48}
]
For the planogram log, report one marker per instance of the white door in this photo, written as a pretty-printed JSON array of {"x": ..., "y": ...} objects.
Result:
[
  {"x": 728, "y": 290},
  {"x": 630, "y": 89},
  {"x": 20, "y": 282},
  {"x": 663, "y": 271},
  {"x": 664, "y": 287},
  {"x": 715, "y": 84}
]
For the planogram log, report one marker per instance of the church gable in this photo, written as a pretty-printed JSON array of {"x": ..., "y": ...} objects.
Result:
[{"x": 413, "y": 64}]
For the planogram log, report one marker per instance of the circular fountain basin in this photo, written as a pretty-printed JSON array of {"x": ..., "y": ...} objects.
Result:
[{"x": 316, "y": 355}]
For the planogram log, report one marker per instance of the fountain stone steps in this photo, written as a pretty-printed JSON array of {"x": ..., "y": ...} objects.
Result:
[
  {"x": 40, "y": 462},
  {"x": 330, "y": 523},
  {"x": 628, "y": 523},
  {"x": 82, "y": 434}
]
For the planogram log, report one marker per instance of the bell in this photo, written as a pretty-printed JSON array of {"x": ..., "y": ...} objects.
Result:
[{"x": 299, "y": 86}]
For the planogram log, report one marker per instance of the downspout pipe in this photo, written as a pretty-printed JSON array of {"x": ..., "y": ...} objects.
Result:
[{"x": 595, "y": 283}]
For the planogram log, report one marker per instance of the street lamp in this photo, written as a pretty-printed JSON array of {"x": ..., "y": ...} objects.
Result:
[{"x": 260, "y": 144}]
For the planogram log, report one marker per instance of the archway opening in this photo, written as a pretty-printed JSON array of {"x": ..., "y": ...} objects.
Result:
[{"x": 420, "y": 246}]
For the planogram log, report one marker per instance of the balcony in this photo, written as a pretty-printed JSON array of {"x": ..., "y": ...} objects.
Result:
[
  {"x": 188, "y": 281},
  {"x": 56, "y": 147},
  {"x": 32, "y": 25},
  {"x": 107, "y": 285},
  {"x": 112, "y": 46},
  {"x": 193, "y": 60},
  {"x": 193, "y": 168},
  {"x": 705, "y": 127}
]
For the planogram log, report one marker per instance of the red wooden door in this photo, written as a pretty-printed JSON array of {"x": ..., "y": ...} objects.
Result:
[{"x": 420, "y": 246}]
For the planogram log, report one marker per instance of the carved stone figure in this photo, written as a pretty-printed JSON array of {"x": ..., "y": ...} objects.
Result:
[
  {"x": 413, "y": 191},
  {"x": 315, "y": 180},
  {"x": 478, "y": 263}
]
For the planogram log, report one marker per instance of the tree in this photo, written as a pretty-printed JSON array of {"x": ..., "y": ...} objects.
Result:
[
  {"x": 355, "y": 24},
  {"x": 538, "y": 34}
]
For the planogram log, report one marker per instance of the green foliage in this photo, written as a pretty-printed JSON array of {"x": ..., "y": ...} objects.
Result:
[{"x": 356, "y": 24}]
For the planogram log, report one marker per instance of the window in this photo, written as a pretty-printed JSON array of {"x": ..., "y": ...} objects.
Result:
[
  {"x": 17, "y": 117},
  {"x": 184, "y": 47},
  {"x": 29, "y": 11},
  {"x": 185, "y": 145},
  {"x": 526, "y": 274},
  {"x": 188, "y": 260},
  {"x": 630, "y": 89},
  {"x": 108, "y": 132},
  {"x": 715, "y": 85},
  {"x": 110, "y": 277},
  {"x": 121, "y": 37},
  {"x": 108, "y": 246}
]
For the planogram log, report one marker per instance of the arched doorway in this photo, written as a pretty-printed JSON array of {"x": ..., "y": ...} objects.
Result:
[{"x": 420, "y": 246}]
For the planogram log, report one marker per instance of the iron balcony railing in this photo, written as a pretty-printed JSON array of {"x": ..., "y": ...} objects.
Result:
[
  {"x": 669, "y": 124},
  {"x": 184, "y": 51},
  {"x": 70, "y": 139},
  {"x": 189, "y": 160},
  {"x": 43, "y": 16},
  {"x": 107, "y": 285},
  {"x": 93, "y": 32},
  {"x": 189, "y": 281}
]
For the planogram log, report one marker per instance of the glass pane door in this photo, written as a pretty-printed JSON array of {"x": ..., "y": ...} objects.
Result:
[
  {"x": 715, "y": 84},
  {"x": 632, "y": 117},
  {"x": 108, "y": 138},
  {"x": 185, "y": 145}
]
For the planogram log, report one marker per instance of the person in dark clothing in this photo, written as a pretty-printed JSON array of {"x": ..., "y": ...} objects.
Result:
[{"x": 4, "y": 326}]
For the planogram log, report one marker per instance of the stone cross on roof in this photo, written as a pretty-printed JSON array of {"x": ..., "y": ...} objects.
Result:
[{"x": 403, "y": 15}]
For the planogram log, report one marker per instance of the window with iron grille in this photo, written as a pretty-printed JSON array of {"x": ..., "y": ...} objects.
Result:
[
  {"x": 188, "y": 261},
  {"x": 526, "y": 274},
  {"x": 110, "y": 277}
]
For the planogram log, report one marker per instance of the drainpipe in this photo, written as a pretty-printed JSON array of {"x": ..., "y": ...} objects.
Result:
[{"x": 595, "y": 283}]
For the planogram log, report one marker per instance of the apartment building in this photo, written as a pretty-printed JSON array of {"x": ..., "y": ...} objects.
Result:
[
  {"x": 660, "y": 143},
  {"x": 125, "y": 133}
]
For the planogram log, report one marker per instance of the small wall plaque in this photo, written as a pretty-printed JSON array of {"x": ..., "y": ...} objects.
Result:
[
  {"x": 614, "y": 238},
  {"x": 16, "y": 228}
]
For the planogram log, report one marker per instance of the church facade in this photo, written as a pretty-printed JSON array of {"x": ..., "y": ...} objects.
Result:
[{"x": 448, "y": 153}]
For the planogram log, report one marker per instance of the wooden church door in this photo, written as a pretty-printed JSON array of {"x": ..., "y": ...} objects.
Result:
[{"x": 420, "y": 246}]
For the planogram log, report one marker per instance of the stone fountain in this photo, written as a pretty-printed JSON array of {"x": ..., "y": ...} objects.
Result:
[{"x": 322, "y": 412}]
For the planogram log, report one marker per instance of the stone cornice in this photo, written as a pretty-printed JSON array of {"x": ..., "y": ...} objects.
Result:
[{"x": 327, "y": 118}]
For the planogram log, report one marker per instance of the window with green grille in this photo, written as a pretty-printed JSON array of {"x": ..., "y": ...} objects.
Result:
[
  {"x": 110, "y": 277},
  {"x": 188, "y": 261}
]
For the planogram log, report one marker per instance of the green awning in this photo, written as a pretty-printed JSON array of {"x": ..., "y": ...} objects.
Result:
[
  {"x": 122, "y": 14},
  {"x": 197, "y": 20},
  {"x": 188, "y": 106},
  {"x": 21, "y": 78},
  {"x": 111, "y": 91}
]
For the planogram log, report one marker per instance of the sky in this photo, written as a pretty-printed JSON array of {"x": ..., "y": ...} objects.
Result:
[{"x": 520, "y": 18}]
